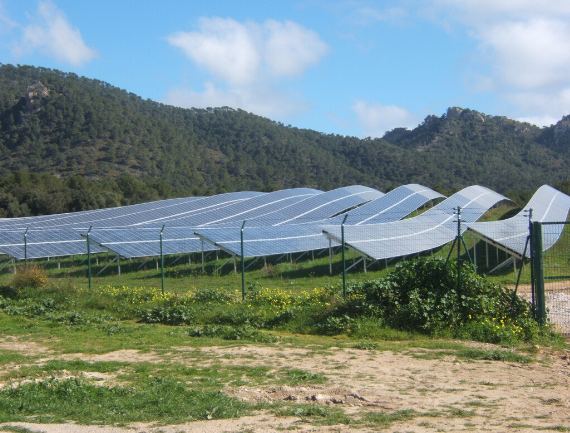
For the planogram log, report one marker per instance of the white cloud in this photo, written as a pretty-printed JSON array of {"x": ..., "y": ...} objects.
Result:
[
  {"x": 247, "y": 61},
  {"x": 375, "y": 119},
  {"x": 54, "y": 36},
  {"x": 527, "y": 43}
]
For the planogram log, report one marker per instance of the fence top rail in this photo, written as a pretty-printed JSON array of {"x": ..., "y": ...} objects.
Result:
[{"x": 550, "y": 223}]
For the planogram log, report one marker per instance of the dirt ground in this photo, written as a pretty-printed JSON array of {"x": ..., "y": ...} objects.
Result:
[{"x": 454, "y": 394}]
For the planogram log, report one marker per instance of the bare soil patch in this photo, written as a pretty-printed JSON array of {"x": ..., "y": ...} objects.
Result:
[{"x": 447, "y": 393}]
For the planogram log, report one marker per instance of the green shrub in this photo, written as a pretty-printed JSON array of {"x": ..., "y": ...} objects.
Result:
[
  {"x": 215, "y": 296},
  {"x": 31, "y": 277},
  {"x": 169, "y": 315},
  {"x": 422, "y": 295}
]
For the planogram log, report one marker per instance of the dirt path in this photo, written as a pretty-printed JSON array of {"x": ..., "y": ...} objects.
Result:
[{"x": 454, "y": 394}]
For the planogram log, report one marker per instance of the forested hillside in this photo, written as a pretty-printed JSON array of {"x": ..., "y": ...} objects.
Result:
[{"x": 90, "y": 145}]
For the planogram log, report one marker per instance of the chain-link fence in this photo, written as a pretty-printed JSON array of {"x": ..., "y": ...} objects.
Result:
[{"x": 556, "y": 272}]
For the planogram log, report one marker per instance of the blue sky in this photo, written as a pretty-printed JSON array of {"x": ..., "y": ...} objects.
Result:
[{"x": 350, "y": 67}]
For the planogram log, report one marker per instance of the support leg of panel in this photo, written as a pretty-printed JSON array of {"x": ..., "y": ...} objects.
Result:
[
  {"x": 235, "y": 265},
  {"x": 515, "y": 264},
  {"x": 364, "y": 264},
  {"x": 119, "y": 266},
  {"x": 330, "y": 256},
  {"x": 156, "y": 261},
  {"x": 487, "y": 253},
  {"x": 475, "y": 253},
  {"x": 14, "y": 266},
  {"x": 97, "y": 260},
  {"x": 264, "y": 262},
  {"x": 58, "y": 263},
  {"x": 202, "y": 241}
]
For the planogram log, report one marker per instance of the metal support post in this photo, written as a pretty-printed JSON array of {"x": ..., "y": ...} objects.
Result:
[
  {"x": 202, "y": 241},
  {"x": 119, "y": 266},
  {"x": 161, "y": 260},
  {"x": 242, "y": 263},
  {"x": 538, "y": 272},
  {"x": 26, "y": 248},
  {"x": 475, "y": 253},
  {"x": 330, "y": 256},
  {"x": 458, "y": 249},
  {"x": 89, "y": 257},
  {"x": 343, "y": 257}
]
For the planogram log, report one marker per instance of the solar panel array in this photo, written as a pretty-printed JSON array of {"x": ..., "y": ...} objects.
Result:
[
  {"x": 128, "y": 215},
  {"x": 430, "y": 230},
  {"x": 43, "y": 243},
  {"x": 295, "y": 238},
  {"x": 392, "y": 206},
  {"x": 547, "y": 204},
  {"x": 276, "y": 206}
]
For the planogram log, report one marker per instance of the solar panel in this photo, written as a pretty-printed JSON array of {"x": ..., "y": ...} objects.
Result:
[
  {"x": 294, "y": 238},
  {"x": 393, "y": 206},
  {"x": 319, "y": 207},
  {"x": 547, "y": 204},
  {"x": 127, "y": 215},
  {"x": 43, "y": 243},
  {"x": 427, "y": 231},
  {"x": 145, "y": 242},
  {"x": 235, "y": 213}
]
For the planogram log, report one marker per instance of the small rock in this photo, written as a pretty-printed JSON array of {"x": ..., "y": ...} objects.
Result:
[
  {"x": 536, "y": 347},
  {"x": 291, "y": 397},
  {"x": 355, "y": 395},
  {"x": 320, "y": 397},
  {"x": 337, "y": 401}
]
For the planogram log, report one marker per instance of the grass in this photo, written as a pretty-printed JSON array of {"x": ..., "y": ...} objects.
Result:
[
  {"x": 160, "y": 400},
  {"x": 172, "y": 380}
]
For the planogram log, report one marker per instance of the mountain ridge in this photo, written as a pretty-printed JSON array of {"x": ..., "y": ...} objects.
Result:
[{"x": 59, "y": 124}]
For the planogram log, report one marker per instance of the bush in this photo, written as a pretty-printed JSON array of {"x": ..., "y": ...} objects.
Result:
[
  {"x": 169, "y": 315},
  {"x": 422, "y": 295},
  {"x": 32, "y": 277}
]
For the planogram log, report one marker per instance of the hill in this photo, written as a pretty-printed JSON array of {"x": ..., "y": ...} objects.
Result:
[{"x": 104, "y": 146}]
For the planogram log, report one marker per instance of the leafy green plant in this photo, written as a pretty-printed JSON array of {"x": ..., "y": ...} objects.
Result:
[
  {"x": 169, "y": 315},
  {"x": 29, "y": 277}
]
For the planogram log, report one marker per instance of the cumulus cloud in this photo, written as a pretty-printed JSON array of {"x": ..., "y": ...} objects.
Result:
[
  {"x": 376, "y": 119},
  {"x": 528, "y": 45},
  {"x": 247, "y": 62},
  {"x": 53, "y": 35}
]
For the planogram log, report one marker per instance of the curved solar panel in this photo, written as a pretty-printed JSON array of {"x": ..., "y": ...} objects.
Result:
[
  {"x": 547, "y": 204},
  {"x": 145, "y": 242},
  {"x": 43, "y": 243},
  {"x": 295, "y": 238},
  {"x": 235, "y": 213},
  {"x": 427, "y": 231},
  {"x": 393, "y": 206},
  {"x": 128, "y": 215}
]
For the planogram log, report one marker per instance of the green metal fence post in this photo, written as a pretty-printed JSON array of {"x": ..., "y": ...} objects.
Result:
[
  {"x": 89, "y": 257},
  {"x": 343, "y": 258},
  {"x": 242, "y": 264},
  {"x": 161, "y": 260},
  {"x": 458, "y": 250},
  {"x": 538, "y": 271},
  {"x": 26, "y": 248}
]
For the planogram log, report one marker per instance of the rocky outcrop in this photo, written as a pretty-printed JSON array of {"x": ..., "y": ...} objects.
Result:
[{"x": 34, "y": 93}]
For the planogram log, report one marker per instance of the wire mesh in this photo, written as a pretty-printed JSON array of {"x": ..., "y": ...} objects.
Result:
[{"x": 556, "y": 265}]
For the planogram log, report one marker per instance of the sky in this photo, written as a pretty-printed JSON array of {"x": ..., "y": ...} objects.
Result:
[{"x": 349, "y": 67}]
